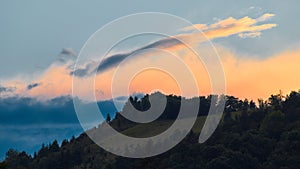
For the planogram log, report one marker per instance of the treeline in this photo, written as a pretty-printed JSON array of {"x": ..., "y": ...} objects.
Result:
[
  {"x": 250, "y": 136},
  {"x": 173, "y": 104}
]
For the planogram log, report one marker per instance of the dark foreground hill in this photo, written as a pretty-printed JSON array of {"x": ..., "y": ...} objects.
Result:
[{"x": 248, "y": 137}]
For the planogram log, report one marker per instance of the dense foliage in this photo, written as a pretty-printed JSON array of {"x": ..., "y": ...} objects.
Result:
[{"x": 249, "y": 137}]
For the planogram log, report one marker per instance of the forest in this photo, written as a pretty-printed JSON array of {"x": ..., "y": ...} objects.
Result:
[{"x": 251, "y": 135}]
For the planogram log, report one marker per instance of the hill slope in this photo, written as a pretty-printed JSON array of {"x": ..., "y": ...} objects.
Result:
[{"x": 251, "y": 137}]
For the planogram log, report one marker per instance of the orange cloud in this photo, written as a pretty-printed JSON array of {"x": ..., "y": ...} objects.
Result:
[
  {"x": 259, "y": 78},
  {"x": 244, "y": 27},
  {"x": 163, "y": 71},
  {"x": 246, "y": 77},
  {"x": 56, "y": 81}
]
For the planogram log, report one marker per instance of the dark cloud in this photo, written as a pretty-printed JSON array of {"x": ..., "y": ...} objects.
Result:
[
  {"x": 33, "y": 85},
  {"x": 81, "y": 72},
  {"x": 6, "y": 89},
  {"x": 116, "y": 59},
  {"x": 67, "y": 54},
  {"x": 68, "y": 51},
  {"x": 112, "y": 61},
  {"x": 87, "y": 70},
  {"x": 60, "y": 110}
]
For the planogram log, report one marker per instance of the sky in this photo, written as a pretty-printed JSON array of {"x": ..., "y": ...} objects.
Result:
[{"x": 257, "y": 41}]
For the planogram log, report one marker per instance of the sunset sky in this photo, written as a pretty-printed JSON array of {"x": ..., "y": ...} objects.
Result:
[
  {"x": 257, "y": 42},
  {"x": 257, "y": 45}
]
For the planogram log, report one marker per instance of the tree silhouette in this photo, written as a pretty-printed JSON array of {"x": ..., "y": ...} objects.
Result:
[
  {"x": 248, "y": 137},
  {"x": 108, "y": 118}
]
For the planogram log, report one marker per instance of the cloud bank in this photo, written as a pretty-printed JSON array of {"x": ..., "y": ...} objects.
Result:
[{"x": 26, "y": 122}]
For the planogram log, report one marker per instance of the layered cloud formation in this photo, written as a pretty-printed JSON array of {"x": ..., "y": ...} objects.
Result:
[
  {"x": 241, "y": 71},
  {"x": 230, "y": 26},
  {"x": 244, "y": 27}
]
